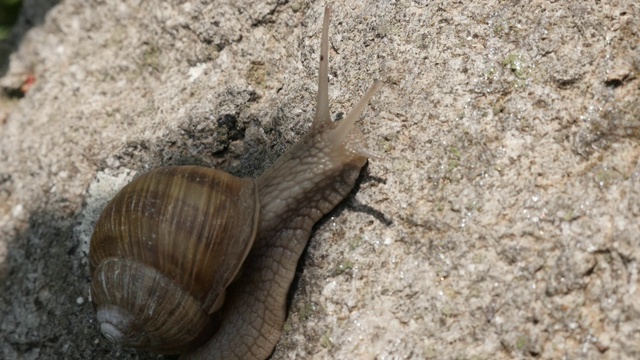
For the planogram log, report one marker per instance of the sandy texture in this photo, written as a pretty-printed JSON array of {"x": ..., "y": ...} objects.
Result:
[{"x": 502, "y": 221}]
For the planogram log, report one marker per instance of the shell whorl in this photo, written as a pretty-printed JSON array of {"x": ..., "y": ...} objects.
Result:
[
  {"x": 132, "y": 297},
  {"x": 169, "y": 244}
]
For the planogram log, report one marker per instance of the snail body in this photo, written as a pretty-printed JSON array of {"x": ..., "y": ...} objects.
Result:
[{"x": 196, "y": 261}]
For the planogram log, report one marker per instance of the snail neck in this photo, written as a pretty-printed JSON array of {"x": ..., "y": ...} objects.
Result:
[{"x": 304, "y": 184}]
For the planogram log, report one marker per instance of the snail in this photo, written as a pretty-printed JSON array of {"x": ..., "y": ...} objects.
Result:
[{"x": 192, "y": 260}]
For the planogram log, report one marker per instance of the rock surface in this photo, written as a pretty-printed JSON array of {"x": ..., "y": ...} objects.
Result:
[{"x": 502, "y": 222}]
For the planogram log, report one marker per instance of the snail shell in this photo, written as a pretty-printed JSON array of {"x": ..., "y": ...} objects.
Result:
[
  {"x": 196, "y": 261},
  {"x": 181, "y": 230}
]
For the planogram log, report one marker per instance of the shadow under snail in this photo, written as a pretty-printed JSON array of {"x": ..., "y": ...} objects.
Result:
[{"x": 192, "y": 260}]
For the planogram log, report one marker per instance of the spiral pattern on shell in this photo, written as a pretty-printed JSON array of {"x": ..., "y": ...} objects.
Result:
[{"x": 163, "y": 252}]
